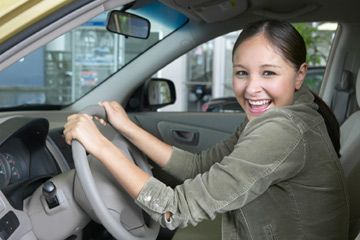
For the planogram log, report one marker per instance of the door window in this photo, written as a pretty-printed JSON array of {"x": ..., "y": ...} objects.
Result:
[{"x": 207, "y": 81}]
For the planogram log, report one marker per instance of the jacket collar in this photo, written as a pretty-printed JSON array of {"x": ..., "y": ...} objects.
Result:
[{"x": 304, "y": 96}]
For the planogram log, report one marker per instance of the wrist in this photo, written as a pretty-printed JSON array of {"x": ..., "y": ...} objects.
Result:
[
  {"x": 102, "y": 146},
  {"x": 128, "y": 129}
]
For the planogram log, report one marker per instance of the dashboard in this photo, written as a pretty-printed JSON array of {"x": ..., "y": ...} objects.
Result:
[
  {"x": 25, "y": 161},
  {"x": 30, "y": 155},
  {"x": 14, "y": 164}
]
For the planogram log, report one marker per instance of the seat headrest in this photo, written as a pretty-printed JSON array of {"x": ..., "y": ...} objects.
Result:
[{"x": 346, "y": 82}]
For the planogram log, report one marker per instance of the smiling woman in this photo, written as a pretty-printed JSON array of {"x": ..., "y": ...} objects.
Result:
[
  {"x": 273, "y": 177},
  {"x": 270, "y": 79},
  {"x": 281, "y": 153}
]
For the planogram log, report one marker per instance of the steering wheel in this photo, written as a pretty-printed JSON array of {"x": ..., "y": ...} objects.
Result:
[{"x": 116, "y": 227}]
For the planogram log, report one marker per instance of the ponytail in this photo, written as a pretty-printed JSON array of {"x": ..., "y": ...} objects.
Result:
[{"x": 331, "y": 122}]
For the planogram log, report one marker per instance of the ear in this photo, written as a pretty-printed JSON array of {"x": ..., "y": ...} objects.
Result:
[{"x": 300, "y": 76}]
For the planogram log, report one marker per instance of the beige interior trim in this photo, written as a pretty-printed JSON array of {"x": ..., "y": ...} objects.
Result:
[{"x": 18, "y": 15}]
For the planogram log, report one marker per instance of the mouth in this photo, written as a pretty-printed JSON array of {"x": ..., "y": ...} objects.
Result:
[{"x": 259, "y": 106}]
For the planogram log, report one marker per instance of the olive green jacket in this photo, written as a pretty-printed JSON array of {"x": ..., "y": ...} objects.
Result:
[{"x": 278, "y": 177}]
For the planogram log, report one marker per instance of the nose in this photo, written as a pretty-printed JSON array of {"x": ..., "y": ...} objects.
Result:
[{"x": 254, "y": 85}]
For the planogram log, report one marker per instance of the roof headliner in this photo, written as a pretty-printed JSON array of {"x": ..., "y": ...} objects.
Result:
[{"x": 301, "y": 10}]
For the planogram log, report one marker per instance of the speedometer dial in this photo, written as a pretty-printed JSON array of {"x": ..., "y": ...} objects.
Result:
[
  {"x": 5, "y": 172},
  {"x": 15, "y": 168}
]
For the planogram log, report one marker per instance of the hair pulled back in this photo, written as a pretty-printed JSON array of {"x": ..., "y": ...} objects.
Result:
[
  {"x": 290, "y": 44},
  {"x": 282, "y": 35}
]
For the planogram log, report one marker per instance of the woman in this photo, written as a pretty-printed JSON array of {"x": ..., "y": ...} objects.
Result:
[{"x": 277, "y": 177}]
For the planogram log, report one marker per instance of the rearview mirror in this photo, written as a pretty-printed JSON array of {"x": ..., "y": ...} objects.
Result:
[{"x": 128, "y": 24}]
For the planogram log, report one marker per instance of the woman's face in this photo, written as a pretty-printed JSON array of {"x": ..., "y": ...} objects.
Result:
[{"x": 262, "y": 77}]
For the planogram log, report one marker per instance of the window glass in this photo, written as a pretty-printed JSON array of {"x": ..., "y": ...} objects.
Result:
[
  {"x": 208, "y": 82},
  {"x": 68, "y": 67}
]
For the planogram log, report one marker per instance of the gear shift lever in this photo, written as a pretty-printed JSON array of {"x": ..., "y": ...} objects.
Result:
[{"x": 49, "y": 192}]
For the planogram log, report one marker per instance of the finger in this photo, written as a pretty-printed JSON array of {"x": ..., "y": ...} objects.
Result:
[
  {"x": 84, "y": 117},
  {"x": 101, "y": 103},
  {"x": 68, "y": 137},
  {"x": 100, "y": 120},
  {"x": 70, "y": 117},
  {"x": 114, "y": 104},
  {"x": 118, "y": 106},
  {"x": 74, "y": 123},
  {"x": 105, "y": 104},
  {"x": 108, "y": 108},
  {"x": 103, "y": 122},
  {"x": 73, "y": 116},
  {"x": 68, "y": 129},
  {"x": 69, "y": 124}
]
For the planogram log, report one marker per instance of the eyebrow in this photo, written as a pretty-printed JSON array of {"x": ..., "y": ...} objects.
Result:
[{"x": 264, "y": 65}]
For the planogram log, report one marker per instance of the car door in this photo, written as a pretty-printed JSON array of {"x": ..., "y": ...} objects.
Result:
[{"x": 192, "y": 131}]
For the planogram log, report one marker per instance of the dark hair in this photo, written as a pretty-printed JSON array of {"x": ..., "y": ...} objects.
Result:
[
  {"x": 281, "y": 35},
  {"x": 332, "y": 125}
]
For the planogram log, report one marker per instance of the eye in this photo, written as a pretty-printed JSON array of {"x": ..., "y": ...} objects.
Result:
[
  {"x": 241, "y": 73},
  {"x": 268, "y": 73}
]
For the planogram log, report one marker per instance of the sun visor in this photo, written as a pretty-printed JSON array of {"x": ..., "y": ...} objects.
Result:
[{"x": 209, "y": 10}]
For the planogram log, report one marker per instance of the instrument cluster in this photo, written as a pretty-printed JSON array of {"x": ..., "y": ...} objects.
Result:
[{"x": 12, "y": 170}]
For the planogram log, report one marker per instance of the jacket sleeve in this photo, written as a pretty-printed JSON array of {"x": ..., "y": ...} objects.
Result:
[
  {"x": 184, "y": 165},
  {"x": 268, "y": 152}
]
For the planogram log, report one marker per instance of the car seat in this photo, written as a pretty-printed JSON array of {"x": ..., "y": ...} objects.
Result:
[
  {"x": 343, "y": 97},
  {"x": 350, "y": 160}
]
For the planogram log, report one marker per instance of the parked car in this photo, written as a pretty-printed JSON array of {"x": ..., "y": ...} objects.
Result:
[
  {"x": 58, "y": 57},
  {"x": 224, "y": 104}
]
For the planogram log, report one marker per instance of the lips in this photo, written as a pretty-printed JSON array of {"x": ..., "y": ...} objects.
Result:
[{"x": 258, "y": 106}]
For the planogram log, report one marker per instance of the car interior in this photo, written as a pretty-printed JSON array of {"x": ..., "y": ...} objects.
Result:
[{"x": 50, "y": 190}]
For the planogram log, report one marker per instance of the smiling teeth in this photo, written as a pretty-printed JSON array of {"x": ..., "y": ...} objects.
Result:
[{"x": 259, "y": 103}]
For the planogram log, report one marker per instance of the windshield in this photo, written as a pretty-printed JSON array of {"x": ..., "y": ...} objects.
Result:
[{"x": 70, "y": 66}]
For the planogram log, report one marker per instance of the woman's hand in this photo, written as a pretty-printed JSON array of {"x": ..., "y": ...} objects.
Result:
[
  {"x": 154, "y": 148},
  {"x": 116, "y": 115},
  {"x": 82, "y": 128}
]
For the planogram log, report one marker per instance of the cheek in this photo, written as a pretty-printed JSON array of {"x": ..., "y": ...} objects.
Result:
[
  {"x": 238, "y": 86},
  {"x": 238, "y": 89},
  {"x": 282, "y": 93},
  {"x": 233, "y": 82}
]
